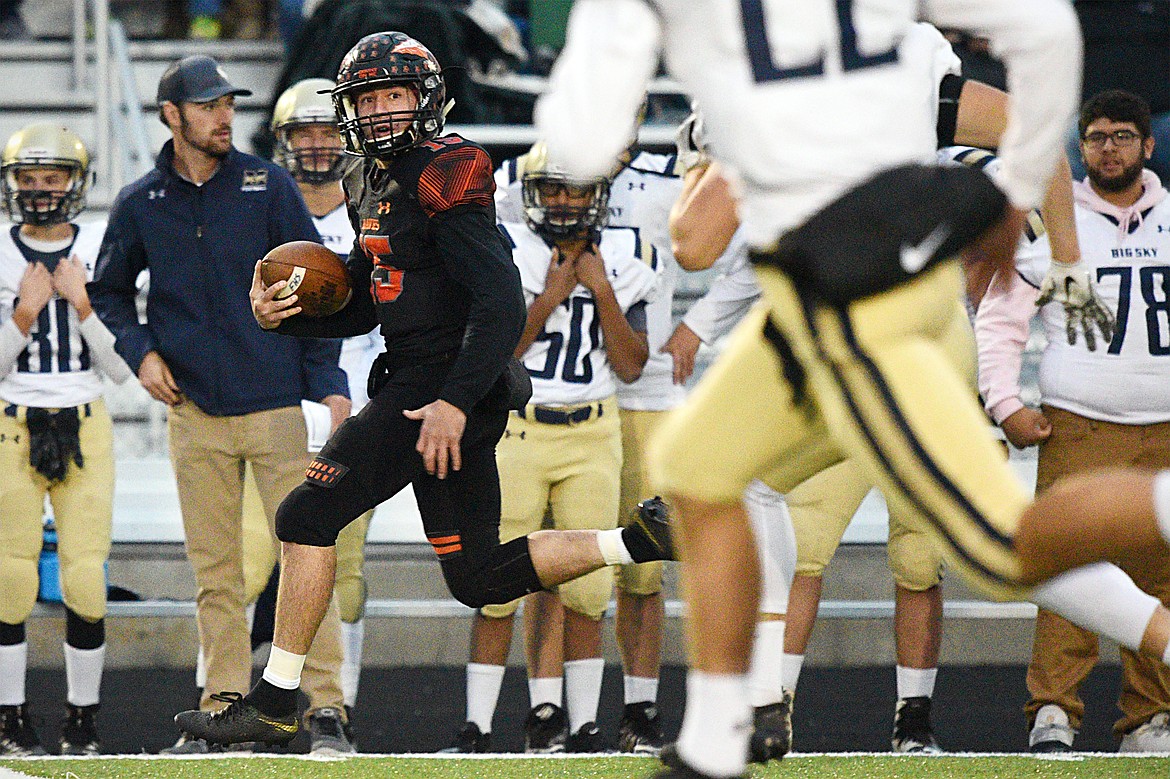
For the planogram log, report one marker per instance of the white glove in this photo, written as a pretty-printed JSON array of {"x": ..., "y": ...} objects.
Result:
[
  {"x": 1072, "y": 287},
  {"x": 690, "y": 143}
]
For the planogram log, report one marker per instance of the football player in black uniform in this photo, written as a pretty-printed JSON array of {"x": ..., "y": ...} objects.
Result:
[{"x": 429, "y": 267}]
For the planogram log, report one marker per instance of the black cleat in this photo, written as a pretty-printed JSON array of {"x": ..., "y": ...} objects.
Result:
[
  {"x": 913, "y": 733},
  {"x": 239, "y": 722},
  {"x": 545, "y": 729},
  {"x": 676, "y": 767},
  {"x": 652, "y": 526},
  {"x": 327, "y": 733},
  {"x": 348, "y": 727},
  {"x": 470, "y": 740},
  {"x": 79, "y": 731},
  {"x": 18, "y": 738},
  {"x": 771, "y": 731},
  {"x": 640, "y": 730},
  {"x": 586, "y": 739}
]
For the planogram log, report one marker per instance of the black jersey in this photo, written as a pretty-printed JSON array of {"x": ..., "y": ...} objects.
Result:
[{"x": 429, "y": 266}]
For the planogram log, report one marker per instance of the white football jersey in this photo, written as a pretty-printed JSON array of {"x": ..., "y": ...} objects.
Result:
[
  {"x": 358, "y": 352},
  {"x": 1127, "y": 381},
  {"x": 56, "y": 369},
  {"x": 640, "y": 198},
  {"x": 804, "y": 99},
  {"x": 567, "y": 361}
]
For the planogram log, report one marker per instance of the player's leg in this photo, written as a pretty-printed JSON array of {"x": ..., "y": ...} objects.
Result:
[
  {"x": 350, "y": 589},
  {"x": 884, "y": 384},
  {"x": 278, "y": 456},
  {"x": 83, "y": 505},
  {"x": 22, "y": 498},
  {"x": 208, "y": 475},
  {"x": 641, "y": 612},
  {"x": 587, "y": 499},
  {"x": 744, "y": 418},
  {"x": 771, "y": 702}
]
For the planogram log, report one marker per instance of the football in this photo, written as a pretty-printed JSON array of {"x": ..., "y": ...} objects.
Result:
[{"x": 314, "y": 273}]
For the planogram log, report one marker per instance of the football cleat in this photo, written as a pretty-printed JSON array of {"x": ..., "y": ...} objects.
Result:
[
  {"x": 651, "y": 526},
  {"x": 640, "y": 730},
  {"x": 586, "y": 739},
  {"x": 239, "y": 722},
  {"x": 913, "y": 733},
  {"x": 327, "y": 733},
  {"x": 771, "y": 730},
  {"x": 18, "y": 738},
  {"x": 1051, "y": 732},
  {"x": 1153, "y": 735},
  {"x": 545, "y": 729},
  {"x": 79, "y": 731},
  {"x": 470, "y": 740}
]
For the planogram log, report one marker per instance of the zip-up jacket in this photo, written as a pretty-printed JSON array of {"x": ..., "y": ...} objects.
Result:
[{"x": 200, "y": 244}]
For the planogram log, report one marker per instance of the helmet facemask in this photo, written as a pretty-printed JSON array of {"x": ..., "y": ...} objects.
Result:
[
  {"x": 44, "y": 206},
  {"x": 557, "y": 206},
  {"x": 373, "y": 135},
  {"x": 309, "y": 164}
]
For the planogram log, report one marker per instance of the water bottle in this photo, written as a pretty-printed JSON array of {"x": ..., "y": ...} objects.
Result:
[{"x": 48, "y": 567}]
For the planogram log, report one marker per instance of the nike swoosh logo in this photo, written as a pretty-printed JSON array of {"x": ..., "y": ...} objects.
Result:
[
  {"x": 281, "y": 726},
  {"x": 914, "y": 258}
]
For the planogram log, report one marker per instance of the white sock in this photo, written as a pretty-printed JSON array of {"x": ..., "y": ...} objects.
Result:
[
  {"x": 790, "y": 671},
  {"x": 915, "y": 682},
  {"x": 284, "y": 669},
  {"x": 766, "y": 674},
  {"x": 1101, "y": 598},
  {"x": 717, "y": 724},
  {"x": 13, "y": 667},
  {"x": 200, "y": 670},
  {"x": 583, "y": 690},
  {"x": 546, "y": 689},
  {"x": 83, "y": 674},
  {"x": 639, "y": 689},
  {"x": 613, "y": 548},
  {"x": 483, "y": 692},
  {"x": 352, "y": 636},
  {"x": 1162, "y": 503}
]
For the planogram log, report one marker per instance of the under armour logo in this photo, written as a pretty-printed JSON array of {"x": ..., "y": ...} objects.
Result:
[
  {"x": 509, "y": 434},
  {"x": 384, "y": 208},
  {"x": 156, "y": 194}
]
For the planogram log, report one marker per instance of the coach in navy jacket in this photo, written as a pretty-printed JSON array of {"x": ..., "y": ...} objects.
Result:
[{"x": 199, "y": 222}]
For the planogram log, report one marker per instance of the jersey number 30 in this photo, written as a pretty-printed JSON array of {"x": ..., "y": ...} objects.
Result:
[{"x": 764, "y": 68}]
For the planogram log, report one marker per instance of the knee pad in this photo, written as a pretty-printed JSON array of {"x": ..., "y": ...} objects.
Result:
[
  {"x": 83, "y": 587},
  {"x": 302, "y": 517},
  {"x": 506, "y": 574},
  {"x": 588, "y": 595},
  {"x": 915, "y": 561},
  {"x": 19, "y": 580},
  {"x": 352, "y": 594}
]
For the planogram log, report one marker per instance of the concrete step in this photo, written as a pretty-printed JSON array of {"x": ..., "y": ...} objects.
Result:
[{"x": 411, "y": 619}]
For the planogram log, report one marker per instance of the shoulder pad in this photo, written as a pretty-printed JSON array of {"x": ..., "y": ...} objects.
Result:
[{"x": 458, "y": 173}]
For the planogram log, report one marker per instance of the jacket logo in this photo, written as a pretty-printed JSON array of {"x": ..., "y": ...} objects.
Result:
[
  {"x": 370, "y": 224},
  {"x": 384, "y": 207},
  {"x": 255, "y": 181},
  {"x": 156, "y": 194}
]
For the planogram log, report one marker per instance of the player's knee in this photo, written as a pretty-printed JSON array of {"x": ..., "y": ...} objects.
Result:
[
  {"x": 351, "y": 597},
  {"x": 83, "y": 588},
  {"x": 916, "y": 572},
  {"x": 299, "y": 518},
  {"x": 639, "y": 580},
  {"x": 467, "y": 591}
]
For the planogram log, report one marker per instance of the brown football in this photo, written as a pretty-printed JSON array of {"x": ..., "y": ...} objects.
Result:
[{"x": 314, "y": 273}]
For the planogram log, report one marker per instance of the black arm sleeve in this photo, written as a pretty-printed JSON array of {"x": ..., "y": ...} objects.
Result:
[
  {"x": 357, "y": 317},
  {"x": 475, "y": 253},
  {"x": 949, "y": 90}
]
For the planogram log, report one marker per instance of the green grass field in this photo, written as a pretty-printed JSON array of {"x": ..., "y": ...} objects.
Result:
[{"x": 798, "y": 767}]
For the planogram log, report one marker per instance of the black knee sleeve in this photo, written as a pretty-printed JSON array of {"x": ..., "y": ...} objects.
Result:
[
  {"x": 306, "y": 516},
  {"x": 506, "y": 574},
  {"x": 83, "y": 634},
  {"x": 10, "y": 635}
]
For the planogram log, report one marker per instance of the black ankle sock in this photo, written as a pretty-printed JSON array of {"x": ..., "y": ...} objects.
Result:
[
  {"x": 639, "y": 546},
  {"x": 272, "y": 700}
]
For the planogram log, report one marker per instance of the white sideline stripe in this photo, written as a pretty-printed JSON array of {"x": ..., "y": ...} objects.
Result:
[
  {"x": 446, "y": 608},
  {"x": 7, "y": 773}
]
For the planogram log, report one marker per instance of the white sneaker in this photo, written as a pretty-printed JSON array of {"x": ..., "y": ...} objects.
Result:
[
  {"x": 1051, "y": 733},
  {"x": 1153, "y": 736}
]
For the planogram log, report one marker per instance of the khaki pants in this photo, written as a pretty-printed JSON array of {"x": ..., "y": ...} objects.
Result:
[
  {"x": 209, "y": 455},
  {"x": 1062, "y": 653}
]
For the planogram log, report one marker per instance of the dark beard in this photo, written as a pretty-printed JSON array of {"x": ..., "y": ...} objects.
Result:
[
  {"x": 206, "y": 148},
  {"x": 1120, "y": 182}
]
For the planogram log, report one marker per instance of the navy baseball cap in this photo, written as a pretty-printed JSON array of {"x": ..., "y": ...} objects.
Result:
[{"x": 195, "y": 79}]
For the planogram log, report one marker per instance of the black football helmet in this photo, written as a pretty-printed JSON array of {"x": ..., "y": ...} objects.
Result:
[
  {"x": 381, "y": 60},
  {"x": 540, "y": 182}
]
